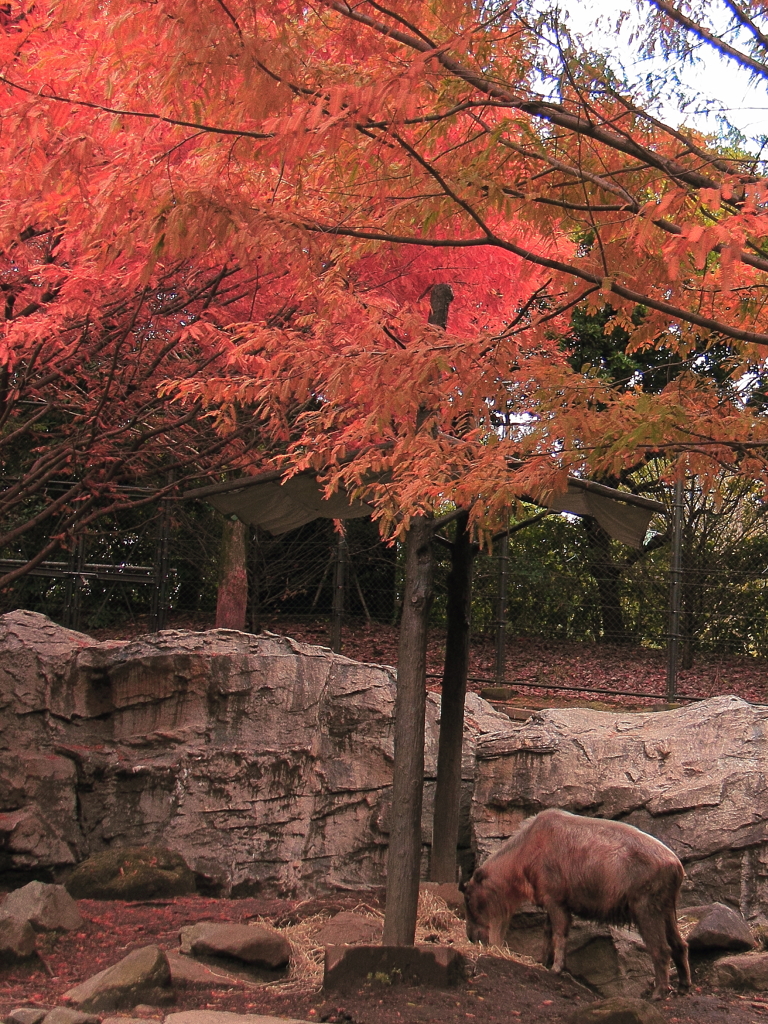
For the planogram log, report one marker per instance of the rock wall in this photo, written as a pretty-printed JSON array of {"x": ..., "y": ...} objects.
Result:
[
  {"x": 266, "y": 763},
  {"x": 695, "y": 777}
]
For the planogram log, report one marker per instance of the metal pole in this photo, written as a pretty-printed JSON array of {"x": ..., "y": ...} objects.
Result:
[
  {"x": 675, "y": 593},
  {"x": 339, "y": 581},
  {"x": 502, "y": 547}
]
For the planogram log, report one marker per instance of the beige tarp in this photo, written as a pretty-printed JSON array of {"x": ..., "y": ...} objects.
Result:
[
  {"x": 278, "y": 507},
  {"x": 627, "y": 523}
]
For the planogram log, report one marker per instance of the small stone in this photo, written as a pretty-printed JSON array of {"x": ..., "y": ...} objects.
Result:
[
  {"x": 48, "y": 908},
  {"x": 17, "y": 940},
  {"x": 26, "y": 1015},
  {"x": 617, "y": 1011},
  {"x": 715, "y": 926},
  {"x": 65, "y": 1015}
]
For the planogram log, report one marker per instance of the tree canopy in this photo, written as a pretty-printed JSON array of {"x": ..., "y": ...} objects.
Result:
[{"x": 345, "y": 158}]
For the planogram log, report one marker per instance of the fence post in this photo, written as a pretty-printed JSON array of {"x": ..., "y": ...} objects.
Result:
[
  {"x": 502, "y": 547},
  {"x": 162, "y": 558},
  {"x": 74, "y": 584},
  {"x": 675, "y": 593},
  {"x": 339, "y": 583}
]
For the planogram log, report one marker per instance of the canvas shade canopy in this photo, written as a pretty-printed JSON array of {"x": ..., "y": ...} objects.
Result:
[{"x": 278, "y": 505}]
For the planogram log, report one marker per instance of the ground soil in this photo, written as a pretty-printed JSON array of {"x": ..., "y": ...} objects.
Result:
[{"x": 500, "y": 989}]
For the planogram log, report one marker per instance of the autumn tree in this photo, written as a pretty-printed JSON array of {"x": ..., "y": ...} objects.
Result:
[{"x": 364, "y": 153}]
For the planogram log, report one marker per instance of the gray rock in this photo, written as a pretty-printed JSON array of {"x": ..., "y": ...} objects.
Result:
[
  {"x": 17, "y": 940},
  {"x": 48, "y": 908},
  {"x": 142, "y": 976},
  {"x": 349, "y": 929},
  {"x": 745, "y": 971},
  {"x": 142, "y": 873},
  {"x": 619, "y": 1010},
  {"x": 125, "y": 1019},
  {"x": 695, "y": 777},
  {"x": 715, "y": 926},
  {"x": 66, "y": 1015},
  {"x": 26, "y": 1015},
  {"x": 247, "y": 944},
  {"x": 264, "y": 762}
]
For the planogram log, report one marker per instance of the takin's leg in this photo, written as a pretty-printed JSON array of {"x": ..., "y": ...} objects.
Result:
[
  {"x": 679, "y": 948},
  {"x": 549, "y": 949},
  {"x": 653, "y": 930},
  {"x": 559, "y": 925}
]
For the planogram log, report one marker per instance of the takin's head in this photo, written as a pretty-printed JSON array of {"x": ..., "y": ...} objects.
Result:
[{"x": 484, "y": 912}]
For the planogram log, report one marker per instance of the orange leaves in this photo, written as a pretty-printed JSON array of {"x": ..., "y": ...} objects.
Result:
[{"x": 345, "y": 159}]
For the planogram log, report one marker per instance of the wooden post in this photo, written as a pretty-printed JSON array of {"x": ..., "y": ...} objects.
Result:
[
  {"x": 445, "y": 823},
  {"x": 404, "y": 857},
  {"x": 232, "y": 600}
]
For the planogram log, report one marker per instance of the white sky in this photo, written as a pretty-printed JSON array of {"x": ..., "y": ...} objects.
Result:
[{"x": 716, "y": 78}]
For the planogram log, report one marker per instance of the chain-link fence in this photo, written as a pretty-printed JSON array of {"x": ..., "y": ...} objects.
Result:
[{"x": 158, "y": 567}]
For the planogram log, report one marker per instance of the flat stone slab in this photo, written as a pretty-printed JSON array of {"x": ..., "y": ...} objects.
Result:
[
  {"x": 246, "y": 944},
  {"x": 744, "y": 971},
  {"x": 433, "y": 966},
  {"x": 618, "y": 1011},
  {"x": 187, "y": 972},
  {"x": 349, "y": 929},
  {"x": 64, "y": 1015},
  {"x": 224, "y": 1017}
]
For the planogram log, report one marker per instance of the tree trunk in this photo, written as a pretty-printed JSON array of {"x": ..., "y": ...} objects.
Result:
[
  {"x": 404, "y": 857},
  {"x": 445, "y": 825},
  {"x": 232, "y": 599}
]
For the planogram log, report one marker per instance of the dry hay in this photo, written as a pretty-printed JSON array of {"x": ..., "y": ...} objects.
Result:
[{"x": 435, "y": 923}]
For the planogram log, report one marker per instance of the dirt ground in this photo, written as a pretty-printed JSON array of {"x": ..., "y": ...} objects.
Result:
[
  {"x": 500, "y": 988},
  {"x": 539, "y": 670}
]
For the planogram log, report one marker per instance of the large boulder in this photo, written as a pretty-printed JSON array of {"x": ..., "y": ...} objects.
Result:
[
  {"x": 142, "y": 873},
  {"x": 695, "y": 777}
]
